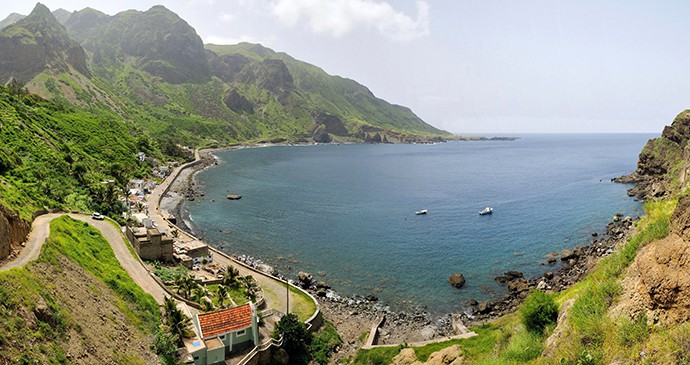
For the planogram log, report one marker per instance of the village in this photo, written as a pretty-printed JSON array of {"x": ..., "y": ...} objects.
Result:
[{"x": 234, "y": 307}]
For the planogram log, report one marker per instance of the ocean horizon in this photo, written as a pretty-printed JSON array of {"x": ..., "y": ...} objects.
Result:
[{"x": 348, "y": 211}]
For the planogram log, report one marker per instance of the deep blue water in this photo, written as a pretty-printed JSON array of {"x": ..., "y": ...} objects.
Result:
[{"x": 348, "y": 210}]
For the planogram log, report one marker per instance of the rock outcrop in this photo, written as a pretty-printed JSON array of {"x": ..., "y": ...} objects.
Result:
[
  {"x": 457, "y": 280},
  {"x": 658, "y": 281},
  {"x": 448, "y": 356},
  {"x": 13, "y": 231},
  {"x": 38, "y": 43},
  {"x": 662, "y": 166}
]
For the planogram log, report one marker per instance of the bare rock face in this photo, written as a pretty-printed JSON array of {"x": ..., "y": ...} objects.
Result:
[
  {"x": 405, "y": 357},
  {"x": 665, "y": 274},
  {"x": 13, "y": 230},
  {"x": 448, "y": 356},
  {"x": 680, "y": 219},
  {"x": 664, "y": 270}
]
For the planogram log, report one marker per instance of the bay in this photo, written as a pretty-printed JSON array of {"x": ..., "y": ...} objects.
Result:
[{"x": 348, "y": 210}]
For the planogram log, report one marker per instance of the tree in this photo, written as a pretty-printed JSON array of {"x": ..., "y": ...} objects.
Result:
[
  {"x": 538, "y": 311},
  {"x": 185, "y": 285},
  {"x": 177, "y": 322},
  {"x": 199, "y": 293},
  {"x": 296, "y": 338},
  {"x": 222, "y": 293},
  {"x": 231, "y": 275},
  {"x": 165, "y": 345},
  {"x": 250, "y": 286},
  {"x": 207, "y": 304}
]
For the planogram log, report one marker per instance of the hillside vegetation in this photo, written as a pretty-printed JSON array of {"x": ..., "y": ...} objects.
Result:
[
  {"x": 151, "y": 68},
  {"x": 94, "y": 313},
  {"x": 54, "y": 155}
]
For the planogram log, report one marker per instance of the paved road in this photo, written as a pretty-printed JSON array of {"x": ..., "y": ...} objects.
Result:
[
  {"x": 274, "y": 291},
  {"x": 40, "y": 230}
]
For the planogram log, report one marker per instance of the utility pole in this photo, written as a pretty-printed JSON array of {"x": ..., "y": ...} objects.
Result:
[{"x": 287, "y": 288}]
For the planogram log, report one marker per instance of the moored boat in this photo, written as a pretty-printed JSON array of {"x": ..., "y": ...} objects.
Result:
[{"x": 487, "y": 210}]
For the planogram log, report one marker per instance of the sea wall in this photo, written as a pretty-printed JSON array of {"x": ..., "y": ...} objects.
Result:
[{"x": 13, "y": 230}]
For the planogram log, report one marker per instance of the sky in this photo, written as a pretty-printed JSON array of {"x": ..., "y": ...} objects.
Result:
[{"x": 486, "y": 66}]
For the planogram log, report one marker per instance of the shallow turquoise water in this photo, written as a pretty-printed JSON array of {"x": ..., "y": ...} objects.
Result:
[{"x": 348, "y": 210}]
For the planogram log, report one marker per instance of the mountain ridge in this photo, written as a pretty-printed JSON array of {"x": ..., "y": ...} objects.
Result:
[{"x": 152, "y": 67}]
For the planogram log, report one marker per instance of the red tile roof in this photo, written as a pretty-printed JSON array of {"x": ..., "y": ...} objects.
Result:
[{"x": 226, "y": 320}]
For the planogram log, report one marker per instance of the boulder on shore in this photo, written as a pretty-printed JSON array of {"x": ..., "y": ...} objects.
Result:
[
  {"x": 305, "y": 279},
  {"x": 457, "y": 280}
]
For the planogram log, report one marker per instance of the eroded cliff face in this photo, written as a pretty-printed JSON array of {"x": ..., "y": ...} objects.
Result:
[
  {"x": 658, "y": 282},
  {"x": 13, "y": 230}
]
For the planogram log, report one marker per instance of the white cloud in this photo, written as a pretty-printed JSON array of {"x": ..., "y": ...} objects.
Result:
[
  {"x": 338, "y": 17},
  {"x": 227, "y": 17}
]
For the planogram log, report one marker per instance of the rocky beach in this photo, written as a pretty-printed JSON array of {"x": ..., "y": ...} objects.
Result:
[{"x": 353, "y": 316}]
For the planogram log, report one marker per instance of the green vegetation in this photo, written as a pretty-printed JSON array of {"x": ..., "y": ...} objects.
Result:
[
  {"x": 56, "y": 155},
  {"x": 84, "y": 245},
  {"x": 324, "y": 342},
  {"x": 538, "y": 311},
  {"x": 303, "y": 308},
  {"x": 296, "y": 339},
  {"x": 74, "y": 249}
]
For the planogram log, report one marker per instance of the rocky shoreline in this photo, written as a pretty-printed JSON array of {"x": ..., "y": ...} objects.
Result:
[{"x": 353, "y": 316}]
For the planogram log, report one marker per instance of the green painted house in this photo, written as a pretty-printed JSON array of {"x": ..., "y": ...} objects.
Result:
[{"x": 223, "y": 332}]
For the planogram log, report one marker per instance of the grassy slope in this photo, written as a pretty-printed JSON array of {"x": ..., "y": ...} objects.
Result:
[
  {"x": 593, "y": 336},
  {"x": 23, "y": 339}
]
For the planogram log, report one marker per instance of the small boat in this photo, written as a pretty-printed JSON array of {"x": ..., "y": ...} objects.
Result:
[
  {"x": 487, "y": 210},
  {"x": 421, "y": 212},
  {"x": 234, "y": 197}
]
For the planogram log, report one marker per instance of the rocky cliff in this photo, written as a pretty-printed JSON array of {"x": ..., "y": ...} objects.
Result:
[
  {"x": 663, "y": 165},
  {"x": 13, "y": 231},
  {"x": 36, "y": 43}
]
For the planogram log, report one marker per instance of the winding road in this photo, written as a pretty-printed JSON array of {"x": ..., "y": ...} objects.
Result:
[{"x": 40, "y": 230}]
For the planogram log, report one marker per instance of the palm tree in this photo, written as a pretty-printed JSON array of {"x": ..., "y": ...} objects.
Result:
[
  {"x": 188, "y": 285},
  {"x": 207, "y": 304},
  {"x": 179, "y": 282},
  {"x": 199, "y": 293},
  {"x": 168, "y": 307},
  {"x": 250, "y": 286},
  {"x": 177, "y": 322},
  {"x": 231, "y": 275},
  {"x": 222, "y": 293}
]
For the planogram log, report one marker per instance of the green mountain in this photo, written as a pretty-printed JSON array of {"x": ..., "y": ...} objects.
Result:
[
  {"x": 36, "y": 43},
  {"x": 11, "y": 19},
  {"x": 152, "y": 68}
]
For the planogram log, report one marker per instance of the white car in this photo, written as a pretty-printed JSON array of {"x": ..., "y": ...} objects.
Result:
[{"x": 97, "y": 216}]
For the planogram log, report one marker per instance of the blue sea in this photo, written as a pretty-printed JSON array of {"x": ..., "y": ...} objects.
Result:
[{"x": 349, "y": 210}]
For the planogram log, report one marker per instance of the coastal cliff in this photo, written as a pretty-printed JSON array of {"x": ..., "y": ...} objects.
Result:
[
  {"x": 13, "y": 231},
  {"x": 662, "y": 168}
]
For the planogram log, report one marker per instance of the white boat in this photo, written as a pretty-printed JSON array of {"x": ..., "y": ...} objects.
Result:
[
  {"x": 420, "y": 212},
  {"x": 487, "y": 210}
]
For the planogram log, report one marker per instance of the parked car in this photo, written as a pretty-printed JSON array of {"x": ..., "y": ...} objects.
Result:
[{"x": 97, "y": 216}]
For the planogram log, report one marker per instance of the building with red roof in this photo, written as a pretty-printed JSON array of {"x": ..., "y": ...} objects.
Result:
[{"x": 223, "y": 331}]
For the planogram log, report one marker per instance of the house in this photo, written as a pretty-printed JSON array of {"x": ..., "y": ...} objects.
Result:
[
  {"x": 150, "y": 243},
  {"x": 224, "y": 332}
]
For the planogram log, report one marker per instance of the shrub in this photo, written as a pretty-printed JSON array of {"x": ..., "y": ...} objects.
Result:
[
  {"x": 538, "y": 311},
  {"x": 296, "y": 339}
]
